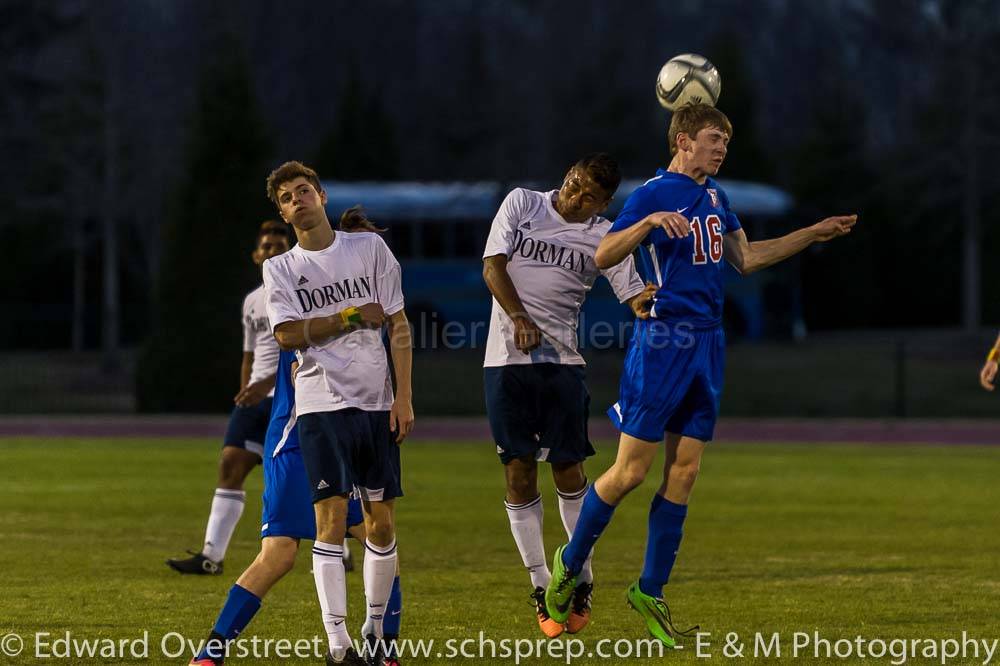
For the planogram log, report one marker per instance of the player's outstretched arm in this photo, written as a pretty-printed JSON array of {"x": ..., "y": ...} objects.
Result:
[
  {"x": 616, "y": 245},
  {"x": 988, "y": 375},
  {"x": 304, "y": 333},
  {"x": 401, "y": 348},
  {"x": 749, "y": 257},
  {"x": 527, "y": 335}
]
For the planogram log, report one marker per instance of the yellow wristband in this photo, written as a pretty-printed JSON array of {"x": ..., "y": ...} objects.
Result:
[
  {"x": 350, "y": 316},
  {"x": 993, "y": 355}
]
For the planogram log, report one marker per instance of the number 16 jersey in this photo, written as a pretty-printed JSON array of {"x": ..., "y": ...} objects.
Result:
[{"x": 688, "y": 271}]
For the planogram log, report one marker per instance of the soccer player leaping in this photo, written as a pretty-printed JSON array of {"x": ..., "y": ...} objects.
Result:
[
  {"x": 328, "y": 298},
  {"x": 243, "y": 443},
  {"x": 539, "y": 265},
  {"x": 681, "y": 222}
]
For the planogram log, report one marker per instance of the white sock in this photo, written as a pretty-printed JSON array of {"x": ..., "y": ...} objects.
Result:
[
  {"x": 379, "y": 572},
  {"x": 227, "y": 507},
  {"x": 331, "y": 586},
  {"x": 526, "y": 526},
  {"x": 569, "y": 508}
]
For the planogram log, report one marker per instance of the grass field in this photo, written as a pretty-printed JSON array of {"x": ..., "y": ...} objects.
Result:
[{"x": 878, "y": 542}]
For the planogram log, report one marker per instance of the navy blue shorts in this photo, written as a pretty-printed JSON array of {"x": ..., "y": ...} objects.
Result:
[
  {"x": 538, "y": 410},
  {"x": 671, "y": 382},
  {"x": 248, "y": 427},
  {"x": 348, "y": 448}
]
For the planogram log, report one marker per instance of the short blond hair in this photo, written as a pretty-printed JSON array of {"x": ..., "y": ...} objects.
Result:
[{"x": 693, "y": 118}]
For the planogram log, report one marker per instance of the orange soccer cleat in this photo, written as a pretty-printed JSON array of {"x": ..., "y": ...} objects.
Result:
[{"x": 549, "y": 627}]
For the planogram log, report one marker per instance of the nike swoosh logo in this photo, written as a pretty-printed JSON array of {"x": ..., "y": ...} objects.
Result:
[
  {"x": 681, "y": 210},
  {"x": 337, "y": 623}
]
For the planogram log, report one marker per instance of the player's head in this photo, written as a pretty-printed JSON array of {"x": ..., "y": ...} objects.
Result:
[
  {"x": 701, "y": 133},
  {"x": 272, "y": 240},
  {"x": 588, "y": 187},
  {"x": 296, "y": 191},
  {"x": 355, "y": 219}
]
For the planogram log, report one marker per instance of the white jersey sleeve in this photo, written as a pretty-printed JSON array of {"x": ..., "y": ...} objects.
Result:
[
  {"x": 512, "y": 210},
  {"x": 249, "y": 335},
  {"x": 388, "y": 278},
  {"x": 624, "y": 279},
  {"x": 278, "y": 290}
]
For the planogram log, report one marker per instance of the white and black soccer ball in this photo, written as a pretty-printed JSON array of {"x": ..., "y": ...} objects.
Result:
[{"x": 688, "y": 79}]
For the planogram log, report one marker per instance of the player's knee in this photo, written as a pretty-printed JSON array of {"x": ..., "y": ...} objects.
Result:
[
  {"x": 522, "y": 481},
  {"x": 281, "y": 560},
  {"x": 380, "y": 532},
  {"x": 684, "y": 475},
  {"x": 521, "y": 489},
  {"x": 628, "y": 476},
  {"x": 569, "y": 479}
]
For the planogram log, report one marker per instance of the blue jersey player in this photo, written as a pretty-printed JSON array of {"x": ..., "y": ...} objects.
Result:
[
  {"x": 681, "y": 224},
  {"x": 288, "y": 515}
]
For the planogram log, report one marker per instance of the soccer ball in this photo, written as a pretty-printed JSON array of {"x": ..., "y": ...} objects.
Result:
[{"x": 688, "y": 79}]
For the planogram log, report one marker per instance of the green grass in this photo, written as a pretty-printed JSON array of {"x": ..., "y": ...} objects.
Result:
[{"x": 881, "y": 542}]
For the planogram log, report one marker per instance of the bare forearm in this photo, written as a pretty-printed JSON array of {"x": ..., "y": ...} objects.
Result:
[
  {"x": 245, "y": 369},
  {"x": 617, "y": 245},
  {"x": 309, "y": 332},
  {"x": 769, "y": 252},
  {"x": 502, "y": 287},
  {"x": 401, "y": 348}
]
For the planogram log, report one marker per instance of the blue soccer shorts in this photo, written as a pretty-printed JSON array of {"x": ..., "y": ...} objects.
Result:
[
  {"x": 288, "y": 509},
  {"x": 288, "y": 506},
  {"x": 671, "y": 382}
]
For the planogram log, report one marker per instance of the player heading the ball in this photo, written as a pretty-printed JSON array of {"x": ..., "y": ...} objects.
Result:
[{"x": 683, "y": 227}]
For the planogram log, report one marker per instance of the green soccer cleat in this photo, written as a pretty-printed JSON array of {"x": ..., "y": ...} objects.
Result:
[
  {"x": 559, "y": 595},
  {"x": 656, "y": 614}
]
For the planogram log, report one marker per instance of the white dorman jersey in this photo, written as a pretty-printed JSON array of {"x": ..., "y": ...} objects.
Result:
[
  {"x": 350, "y": 370},
  {"x": 257, "y": 337},
  {"x": 551, "y": 263}
]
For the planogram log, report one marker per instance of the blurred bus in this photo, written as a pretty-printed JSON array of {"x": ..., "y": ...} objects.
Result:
[{"x": 438, "y": 232}]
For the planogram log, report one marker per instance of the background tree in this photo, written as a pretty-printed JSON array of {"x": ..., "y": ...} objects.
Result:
[{"x": 192, "y": 358}]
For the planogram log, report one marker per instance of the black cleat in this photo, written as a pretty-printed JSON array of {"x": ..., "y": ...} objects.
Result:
[
  {"x": 215, "y": 645},
  {"x": 374, "y": 651},
  {"x": 197, "y": 564},
  {"x": 351, "y": 658}
]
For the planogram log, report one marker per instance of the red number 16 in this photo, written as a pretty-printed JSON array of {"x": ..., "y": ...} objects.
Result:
[{"x": 713, "y": 247}]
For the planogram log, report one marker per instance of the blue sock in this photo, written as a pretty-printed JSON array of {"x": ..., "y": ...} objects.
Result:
[
  {"x": 595, "y": 514},
  {"x": 393, "y": 618},
  {"x": 393, "y": 611},
  {"x": 240, "y": 607},
  {"x": 666, "y": 526}
]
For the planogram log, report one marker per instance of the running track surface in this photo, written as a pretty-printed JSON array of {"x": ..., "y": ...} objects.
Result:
[{"x": 862, "y": 431}]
